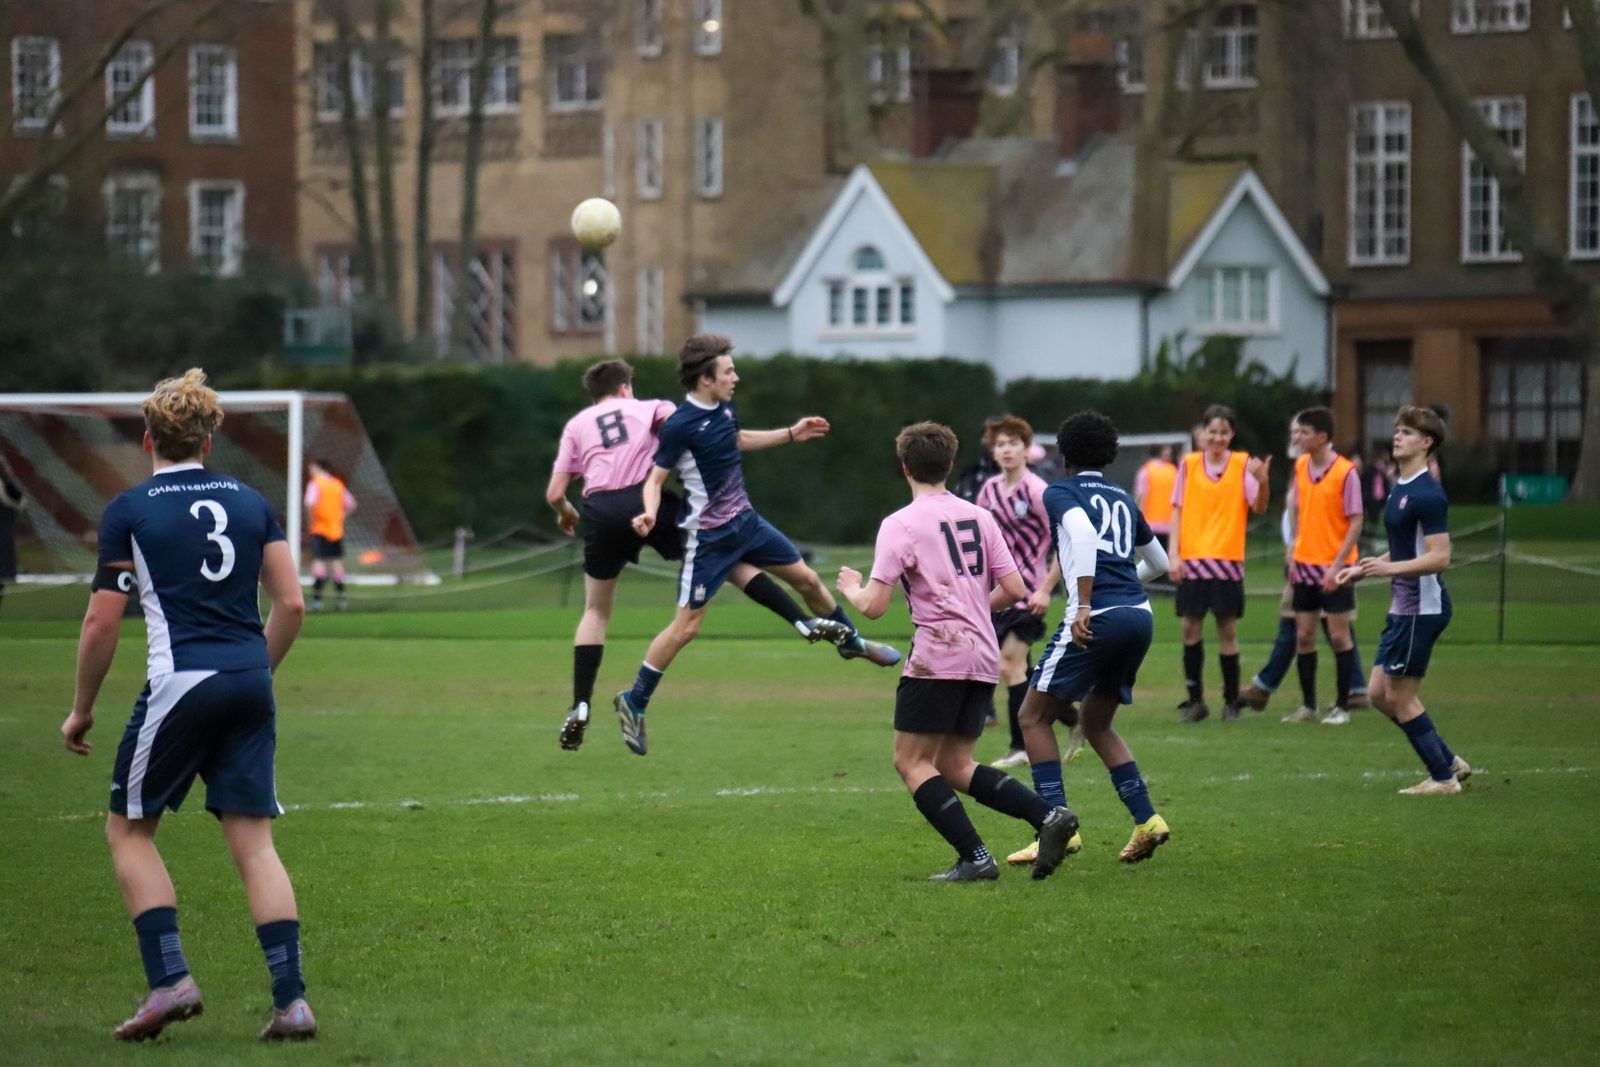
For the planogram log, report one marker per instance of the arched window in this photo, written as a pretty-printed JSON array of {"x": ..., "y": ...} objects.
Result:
[
  {"x": 869, "y": 259},
  {"x": 871, "y": 299}
]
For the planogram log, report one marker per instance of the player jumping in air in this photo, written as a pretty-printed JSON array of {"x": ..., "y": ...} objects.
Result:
[
  {"x": 1416, "y": 517},
  {"x": 610, "y": 445},
  {"x": 328, "y": 503},
  {"x": 952, "y": 561},
  {"x": 1107, "y": 552},
  {"x": 194, "y": 545},
  {"x": 703, "y": 443}
]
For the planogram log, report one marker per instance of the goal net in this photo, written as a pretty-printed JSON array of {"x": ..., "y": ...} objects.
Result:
[{"x": 71, "y": 453}]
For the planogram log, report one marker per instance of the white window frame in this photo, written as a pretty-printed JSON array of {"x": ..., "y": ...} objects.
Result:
[
  {"x": 492, "y": 313},
  {"x": 1239, "y": 41},
  {"x": 126, "y": 67},
  {"x": 889, "y": 60},
  {"x": 649, "y": 154},
  {"x": 1380, "y": 160},
  {"x": 25, "y": 120},
  {"x": 452, "y": 69},
  {"x": 338, "y": 281},
  {"x": 866, "y": 288},
  {"x": 708, "y": 146},
  {"x": 1128, "y": 57},
  {"x": 1215, "y": 279},
  {"x": 708, "y": 27},
  {"x": 649, "y": 26},
  {"x": 327, "y": 91},
  {"x": 1005, "y": 71},
  {"x": 1490, "y": 16},
  {"x": 650, "y": 299},
  {"x": 232, "y": 259},
  {"x": 586, "y": 71},
  {"x": 228, "y": 128},
  {"x": 1583, "y": 147},
  {"x": 1495, "y": 110},
  {"x": 1364, "y": 20},
  {"x": 145, "y": 237}
]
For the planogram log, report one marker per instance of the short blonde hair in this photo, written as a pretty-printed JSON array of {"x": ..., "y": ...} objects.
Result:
[{"x": 180, "y": 413}]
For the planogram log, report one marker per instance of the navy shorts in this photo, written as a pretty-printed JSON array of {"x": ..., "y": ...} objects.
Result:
[
  {"x": 1407, "y": 643},
  {"x": 1108, "y": 667},
  {"x": 221, "y": 725},
  {"x": 710, "y": 555}
]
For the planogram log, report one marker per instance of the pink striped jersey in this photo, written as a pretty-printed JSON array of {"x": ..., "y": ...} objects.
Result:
[
  {"x": 1023, "y": 523},
  {"x": 612, "y": 444},
  {"x": 947, "y": 555}
]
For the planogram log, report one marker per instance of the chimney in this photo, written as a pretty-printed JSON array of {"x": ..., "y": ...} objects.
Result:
[
  {"x": 949, "y": 110},
  {"x": 1088, "y": 103}
]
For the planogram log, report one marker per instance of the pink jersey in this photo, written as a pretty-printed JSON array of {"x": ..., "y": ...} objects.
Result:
[
  {"x": 1023, "y": 522},
  {"x": 947, "y": 555},
  {"x": 612, "y": 444}
]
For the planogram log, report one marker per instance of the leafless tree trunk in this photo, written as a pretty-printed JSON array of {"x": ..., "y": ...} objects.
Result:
[
  {"x": 349, "y": 46},
  {"x": 844, "y": 57},
  {"x": 1572, "y": 297},
  {"x": 467, "y": 252},
  {"x": 383, "y": 159},
  {"x": 422, "y": 259}
]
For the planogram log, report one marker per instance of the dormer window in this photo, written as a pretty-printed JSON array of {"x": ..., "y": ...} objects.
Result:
[{"x": 871, "y": 300}]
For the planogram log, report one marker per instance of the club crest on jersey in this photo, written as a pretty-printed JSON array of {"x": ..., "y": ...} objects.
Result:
[
  {"x": 727, "y": 412},
  {"x": 1404, "y": 501},
  {"x": 1019, "y": 507}
]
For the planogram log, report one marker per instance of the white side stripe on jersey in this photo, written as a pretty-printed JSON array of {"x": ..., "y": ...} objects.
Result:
[
  {"x": 155, "y": 619},
  {"x": 165, "y": 692},
  {"x": 694, "y": 484}
]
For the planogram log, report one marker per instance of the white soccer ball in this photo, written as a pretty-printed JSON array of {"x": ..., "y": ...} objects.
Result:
[{"x": 596, "y": 222}]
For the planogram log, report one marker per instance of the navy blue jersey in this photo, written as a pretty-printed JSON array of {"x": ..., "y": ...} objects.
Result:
[
  {"x": 1086, "y": 506},
  {"x": 1416, "y": 508},
  {"x": 702, "y": 444},
  {"x": 195, "y": 539}
]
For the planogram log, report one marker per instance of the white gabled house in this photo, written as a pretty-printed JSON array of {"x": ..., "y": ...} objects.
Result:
[{"x": 996, "y": 254}]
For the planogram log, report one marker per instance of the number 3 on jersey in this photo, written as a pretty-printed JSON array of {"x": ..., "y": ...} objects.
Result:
[
  {"x": 1117, "y": 520},
  {"x": 613, "y": 431},
  {"x": 219, "y": 523}
]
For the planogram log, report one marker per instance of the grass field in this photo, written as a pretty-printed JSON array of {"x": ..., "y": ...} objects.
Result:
[{"x": 751, "y": 892}]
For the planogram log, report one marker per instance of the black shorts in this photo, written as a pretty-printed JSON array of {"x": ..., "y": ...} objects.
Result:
[
  {"x": 1024, "y": 625},
  {"x": 609, "y": 543},
  {"x": 942, "y": 706},
  {"x": 326, "y": 548},
  {"x": 1308, "y": 596},
  {"x": 1219, "y": 596}
]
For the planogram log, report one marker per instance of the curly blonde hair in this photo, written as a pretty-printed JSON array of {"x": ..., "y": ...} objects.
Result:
[{"x": 180, "y": 413}]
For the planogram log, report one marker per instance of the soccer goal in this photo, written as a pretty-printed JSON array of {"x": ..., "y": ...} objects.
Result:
[{"x": 72, "y": 452}]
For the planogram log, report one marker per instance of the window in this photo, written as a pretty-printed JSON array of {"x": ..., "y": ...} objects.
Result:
[
  {"x": 338, "y": 279},
  {"x": 1005, "y": 71},
  {"x": 1188, "y": 60},
  {"x": 1385, "y": 370},
  {"x": 1128, "y": 56},
  {"x": 1231, "y": 48},
  {"x": 578, "y": 289},
  {"x": 216, "y": 227},
  {"x": 491, "y": 282},
  {"x": 708, "y": 27},
  {"x": 35, "y": 80},
  {"x": 1566, "y": 16},
  {"x": 577, "y": 74},
  {"x": 1235, "y": 300},
  {"x": 1380, "y": 184},
  {"x": 647, "y": 165},
  {"x": 1488, "y": 16},
  {"x": 133, "y": 219},
  {"x": 708, "y": 157},
  {"x": 452, "y": 77},
  {"x": 889, "y": 59},
  {"x": 650, "y": 294},
  {"x": 871, "y": 300},
  {"x": 647, "y": 40},
  {"x": 213, "y": 92},
  {"x": 1584, "y": 195},
  {"x": 1533, "y": 401},
  {"x": 1483, "y": 227},
  {"x": 137, "y": 116},
  {"x": 328, "y": 90}
]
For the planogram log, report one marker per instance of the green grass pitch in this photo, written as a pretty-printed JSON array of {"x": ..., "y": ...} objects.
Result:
[{"x": 751, "y": 892}]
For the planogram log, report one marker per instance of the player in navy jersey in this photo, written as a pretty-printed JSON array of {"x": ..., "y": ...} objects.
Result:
[
  {"x": 194, "y": 545},
  {"x": 703, "y": 444},
  {"x": 1107, "y": 552},
  {"x": 1416, "y": 517}
]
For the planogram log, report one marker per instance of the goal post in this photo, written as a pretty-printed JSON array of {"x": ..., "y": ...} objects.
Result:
[{"x": 72, "y": 452}]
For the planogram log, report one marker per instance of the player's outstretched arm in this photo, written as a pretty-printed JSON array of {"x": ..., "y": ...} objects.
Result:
[
  {"x": 555, "y": 494},
  {"x": 280, "y": 580},
  {"x": 650, "y": 494},
  {"x": 806, "y": 429},
  {"x": 871, "y": 599},
  {"x": 97, "y": 647}
]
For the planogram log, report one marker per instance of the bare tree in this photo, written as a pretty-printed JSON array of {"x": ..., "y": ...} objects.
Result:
[
  {"x": 845, "y": 48},
  {"x": 467, "y": 252},
  {"x": 383, "y": 156},
  {"x": 1572, "y": 297},
  {"x": 349, "y": 49},
  {"x": 427, "y": 127}
]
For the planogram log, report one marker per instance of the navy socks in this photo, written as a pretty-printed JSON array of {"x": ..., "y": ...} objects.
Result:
[
  {"x": 159, "y": 946},
  {"x": 280, "y": 942},
  {"x": 644, "y": 687},
  {"x": 1130, "y": 787},
  {"x": 1429, "y": 746}
]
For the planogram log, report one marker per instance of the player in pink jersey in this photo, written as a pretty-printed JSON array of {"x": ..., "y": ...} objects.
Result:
[
  {"x": 1015, "y": 497},
  {"x": 951, "y": 559},
  {"x": 611, "y": 445}
]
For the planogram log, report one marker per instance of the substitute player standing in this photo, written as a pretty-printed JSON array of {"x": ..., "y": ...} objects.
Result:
[
  {"x": 952, "y": 561},
  {"x": 703, "y": 443},
  {"x": 610, "y": 445},
  {"x": 1416, "y": 517},
  {"x": 1152, "y": 489},
  {"x": 195, "y": 545},
  {"x": 329, "y": 503},
  {"x": 1015, "y": 498},
  {"x": 1216, "y": 491}
]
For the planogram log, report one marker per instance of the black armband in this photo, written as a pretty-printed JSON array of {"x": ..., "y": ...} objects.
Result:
[{"x": 110, "y": 579}]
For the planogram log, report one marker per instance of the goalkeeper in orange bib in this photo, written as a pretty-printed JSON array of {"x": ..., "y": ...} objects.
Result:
[{"x": 328, "y": 504}]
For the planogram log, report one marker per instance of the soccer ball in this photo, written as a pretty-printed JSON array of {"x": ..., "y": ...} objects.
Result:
[{"x": 596, "y": 222}]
